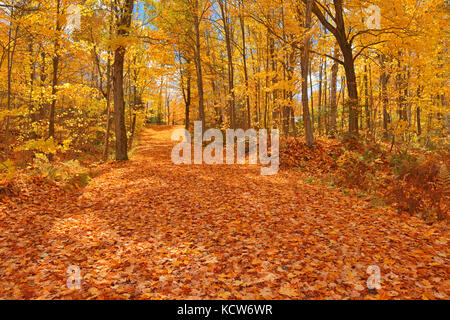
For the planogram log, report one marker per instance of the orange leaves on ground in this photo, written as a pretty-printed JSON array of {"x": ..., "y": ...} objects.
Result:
[
  {"x": 148, "y": 229},
  {"x": 320, "y": 158}
]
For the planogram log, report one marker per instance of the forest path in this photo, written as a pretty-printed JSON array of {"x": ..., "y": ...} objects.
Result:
[{"x": 147, "y": 228}]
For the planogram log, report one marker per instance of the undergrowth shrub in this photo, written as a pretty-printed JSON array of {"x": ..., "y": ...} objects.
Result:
[
  {"x": 294, "y": 153},
  {"x": 7, "y": 169},
  {"x": 69, "y": 172},
  {"x": 420, "y": 186},
  {"x": 352, "y": 170},
  {"x": 356, "y": 166}
]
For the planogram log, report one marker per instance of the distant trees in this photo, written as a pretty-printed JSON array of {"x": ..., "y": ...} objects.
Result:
[
  {"x": 256, "y": 66},
  {"x": 58, "y": 78},
  {"x": 306, "y": 67}
]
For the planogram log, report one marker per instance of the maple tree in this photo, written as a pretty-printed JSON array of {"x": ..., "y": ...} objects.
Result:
[{"x": 360, "y": 101}]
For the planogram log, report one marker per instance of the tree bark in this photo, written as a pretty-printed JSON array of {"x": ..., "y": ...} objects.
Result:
[
  {"x": 186, "y": 92},
  {"x": 198, "y": 64},
  {"x": 108, "y": 110},
  {"x": 123, "y": 24},
  {"x": 305, "y": 64},
  {"x": 333, "y": 94},
  {"x": 384, "y": 78},
  {"x": 319, "y": 116},
  {"x": 228, "y": 40},
  {"x": 244, "y": 59},
  {"x": 108, "y": 94},
  {"x": 311, "y": 92},
  {"x": 419, "y": 126},
  {"x": 55, "y": 62},
  {"x": 345, "y": 45},
  {"x": 133, "y": 126},
  {"x": 366, "y": 97}
]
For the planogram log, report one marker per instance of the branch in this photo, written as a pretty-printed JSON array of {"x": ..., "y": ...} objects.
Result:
[
  {"x": 367, "y": 46},
  {"x": 328, "y": 56}
]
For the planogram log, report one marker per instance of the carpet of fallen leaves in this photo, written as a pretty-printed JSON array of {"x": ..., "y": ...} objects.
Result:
[
  {"x": 295, "y": 154},
  {"x": 148, "y": 229}
]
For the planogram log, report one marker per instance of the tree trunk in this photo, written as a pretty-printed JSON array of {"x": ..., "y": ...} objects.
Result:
[
  {"x": 319, "y": 116},
  {"x": 228, "y": 40},
  {"x": 311, "y": 92},
  {"x": 333, "y": 94},
  {"x": 340, "y": 33},
  {"x": 10, "y": 59},
  {"x": 366, "y": 97},
  {"x": 133, "y": 126},
  {"x": 188, "y": 102},
  {"x": 123, "y": 24},
  {"x": 186, "y": 95},
  {"x": 244, "y": 59},
  {"x": 108, "y": 95},
  {"x": 419, "y": 126},
  {"x": 119, "y": 105},
  {"x": 352, "y": 89},
  {"x": 304, "y": 66},
  {"x": 108, "y": 110},
  {"x": 384, "y": 78},
  {"x": 198, "y": 65},
  {"x": 55, "y": 62},
  {"x": 325, "y": 98}
]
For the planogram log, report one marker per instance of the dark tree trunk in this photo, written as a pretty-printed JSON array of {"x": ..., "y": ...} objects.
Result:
[
  {"x": 319, "y": 116},
  {"x": 198, "y": 65},
  {"x": 123, "y": 24},
  {"x": 55, "y": 62},
  {"x": 419, "y": 127},
  {"x": 187, "y": 101},
  {"x": 333, "y": 94},
  {"x": 244, "y": 59},
  {"x": 384, "y": 96},
  {"x": 133, "y": 126},
  {"x": 304, "y": 66},
  {"x": 352, "y": 90},
  {"x": 325, "y": 97},
  {"x": 228, "y": 40},
  {"x": 340, "y": 33},
  {"x": 311, "y": 93},
  {"x": 366, "y": 97},
  {"x": 108, "y": 110},
  {"x": 119, "y": 105}
]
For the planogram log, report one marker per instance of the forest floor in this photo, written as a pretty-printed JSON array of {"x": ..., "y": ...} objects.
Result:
[{"x": 149, "y": 229}]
